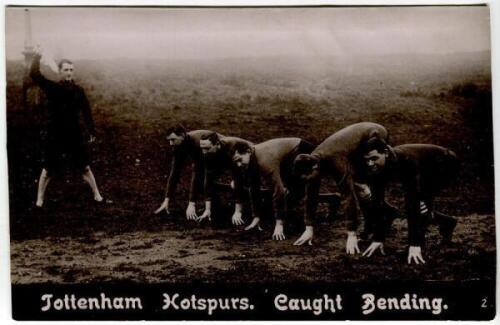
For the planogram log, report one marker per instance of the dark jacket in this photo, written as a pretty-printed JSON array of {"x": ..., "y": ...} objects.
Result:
[
  {"x": 189, "y": 148},
  {"x": 66, "y": 100},
  {"x": 273, "y": 160},
  {"x": 216, "y": 163},
  {"x": 423, "y": 170}
]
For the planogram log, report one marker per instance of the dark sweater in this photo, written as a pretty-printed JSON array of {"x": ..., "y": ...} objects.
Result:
[
  {"x": 216, "y": 163},
  {"x": 190, "y": 147},
  {"x": 336, "y": 158},
  {"x": 273, "y": 160},
  {"x": 422, "y": 169},
  {"x": 66, "y": 100}
]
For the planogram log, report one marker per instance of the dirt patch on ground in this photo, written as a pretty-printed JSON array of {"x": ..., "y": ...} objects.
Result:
[{"x": 206, "y": 254}]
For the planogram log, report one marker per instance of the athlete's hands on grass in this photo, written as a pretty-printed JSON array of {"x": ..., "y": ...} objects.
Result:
[
  {"x": 307, "y": 237},
  {"x": 163, "y": 206},
  {"x": 191, "y": 211},
  {"x": 376, "y": 245},
  {"x": 279, "y": 233},
  {"x": 207, "y": 214},
  {"x": 237, "y": 218},
  {"x": 255, "y": 223},
  {"x": 351, "y": 246},
  {"x": 415, "y": 255}
]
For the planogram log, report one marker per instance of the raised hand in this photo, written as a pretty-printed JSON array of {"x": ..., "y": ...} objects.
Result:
[{"x": 38, "y": 50}]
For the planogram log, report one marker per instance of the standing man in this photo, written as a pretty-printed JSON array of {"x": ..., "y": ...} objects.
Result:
[
  {"x": 423, "y": 170},
  {"x": 272, "y": 160},
  {"x": 186, "y": 145},
  {"x": 67, "y": 101},
  {"x": 336, "y": 156}
]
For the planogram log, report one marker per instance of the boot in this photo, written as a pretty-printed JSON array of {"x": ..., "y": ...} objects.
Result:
[
  {"x": 391, "y": 213},
  {"x": 446, "y": 226}
]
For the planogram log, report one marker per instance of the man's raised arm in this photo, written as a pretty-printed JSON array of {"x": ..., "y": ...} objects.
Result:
[{"x": 35, "y": 74}]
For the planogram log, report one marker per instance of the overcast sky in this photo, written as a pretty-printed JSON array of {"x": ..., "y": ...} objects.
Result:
[{"x": 97, "y": 33}]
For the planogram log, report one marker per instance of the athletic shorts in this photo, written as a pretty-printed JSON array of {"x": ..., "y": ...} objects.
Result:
[{"x": 55, "y": 150}]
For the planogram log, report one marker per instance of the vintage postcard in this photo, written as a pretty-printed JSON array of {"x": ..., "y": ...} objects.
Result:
[{"x": 251, "y": 163}]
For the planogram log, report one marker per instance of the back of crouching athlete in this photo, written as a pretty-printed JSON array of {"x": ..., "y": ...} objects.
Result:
[
  {"x": 273, "y": 160},
  {"x": 423, "y": 170},
  {"x": 334, "y": 156}
]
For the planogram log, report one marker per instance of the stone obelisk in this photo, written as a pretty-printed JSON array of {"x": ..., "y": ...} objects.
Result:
[{"x": 31, "y": 96}]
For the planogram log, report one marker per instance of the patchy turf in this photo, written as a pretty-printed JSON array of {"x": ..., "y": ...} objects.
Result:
[
  {"x": 442, "y": 100},
  {"x": 205, "y": 254}
]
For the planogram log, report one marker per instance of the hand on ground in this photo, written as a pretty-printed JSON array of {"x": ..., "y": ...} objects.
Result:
[
  {"x": 373, "y": 248},
  {"x": 279, "y": 233},
  {"x": 191, "y": 212},
  {"x": 415, "y": 255},
  {"x": 255, "y": 223},
  {"x": 307, "y": 237},
  {"x": 351, "y": 246},
  {"x": 207, "y": 214},
  {"x": 237, "y": 219},
  {"x": 163, "y": 206}
]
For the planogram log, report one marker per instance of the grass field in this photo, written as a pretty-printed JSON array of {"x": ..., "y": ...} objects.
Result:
[{"x": 444, "y": 100}]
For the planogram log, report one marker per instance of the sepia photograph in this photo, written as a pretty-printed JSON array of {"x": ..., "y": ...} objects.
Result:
[{"x": 265, "y": 163}]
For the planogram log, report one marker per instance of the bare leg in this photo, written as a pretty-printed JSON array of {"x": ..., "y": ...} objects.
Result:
[
  {"x": 42, "y": 186},
  {"x": 88, "y": 177}
]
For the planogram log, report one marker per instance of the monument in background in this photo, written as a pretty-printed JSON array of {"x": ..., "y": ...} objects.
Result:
[{"x": 31, "y": 92}]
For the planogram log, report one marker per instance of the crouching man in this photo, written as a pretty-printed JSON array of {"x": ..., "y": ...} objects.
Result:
[
  {"x": 185, "y": 145},
  {"x": 423, "y": 170},
  {"x": 272, "y": 160},
  {"x": 335, "y": 156},
  {"x": 218, "y": 153}
]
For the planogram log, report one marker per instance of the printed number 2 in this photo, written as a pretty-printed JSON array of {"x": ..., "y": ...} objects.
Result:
[{"x": 483, "y": 305}]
